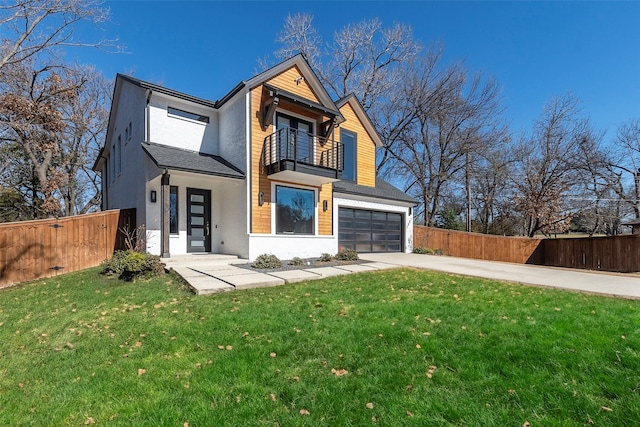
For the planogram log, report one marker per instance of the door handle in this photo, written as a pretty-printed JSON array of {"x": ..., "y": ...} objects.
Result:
[{"x": 206, "y": 229}]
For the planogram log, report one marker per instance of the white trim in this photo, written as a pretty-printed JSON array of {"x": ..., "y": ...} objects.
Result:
[
  {"x": 352, "y": 202},
  {"x": 249, "y": 173},
  {"x": 360, "y": 198}
]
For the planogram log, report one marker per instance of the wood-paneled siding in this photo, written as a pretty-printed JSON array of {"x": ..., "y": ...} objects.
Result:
[
  {"x": 325, "y": 219},
  {"x": 260, "y": 215},
  {"x": 287, "y": 81},
  {"x": 32, "y": 250},
  {"x": 260, "y": 182},
  {"x": 365, "y": 149}
]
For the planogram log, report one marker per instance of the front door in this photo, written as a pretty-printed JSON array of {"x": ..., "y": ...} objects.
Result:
[
  {"x": 299, "y": 138},
  {"x": 198, "y": 220}
]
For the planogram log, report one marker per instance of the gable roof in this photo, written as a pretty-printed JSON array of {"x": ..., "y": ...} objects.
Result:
[
  {"x": 362, "y": 115},
  {"x": 382, "y": 190},
  {"x": 190, "y": 161},
  {"x": 295, "y": 61}
]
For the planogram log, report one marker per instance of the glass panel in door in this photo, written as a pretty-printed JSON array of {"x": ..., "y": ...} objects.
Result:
[{"x": 198, "y": 220}]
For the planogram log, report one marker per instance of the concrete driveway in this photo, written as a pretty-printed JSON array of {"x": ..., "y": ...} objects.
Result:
[{"x": 623, "y": 285}]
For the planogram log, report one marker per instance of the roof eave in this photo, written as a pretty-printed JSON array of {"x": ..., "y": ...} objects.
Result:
[{"x": 363, "y": 116}]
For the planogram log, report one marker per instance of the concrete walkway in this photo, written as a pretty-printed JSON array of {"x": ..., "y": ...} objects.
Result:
[
  {"x": 208, "y": 274},
  {"x": 623, "y": 285}
]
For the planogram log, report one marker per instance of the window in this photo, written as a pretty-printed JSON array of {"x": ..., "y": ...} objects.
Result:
[
  {"x": 348, "y": 140},
  {"x": 113, "y": 163},
  {"x": 295, "y": 210},
  {"x": 129, "y": 131},
  {"x": 173, "y": 209},
  {"x": 117, "y": 152},
  {"x": 109, "y": 171},
  {"x": 187, "y": 115}
]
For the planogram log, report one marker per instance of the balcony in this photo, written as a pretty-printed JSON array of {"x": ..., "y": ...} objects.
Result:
[{"x": 295, "y": 156}]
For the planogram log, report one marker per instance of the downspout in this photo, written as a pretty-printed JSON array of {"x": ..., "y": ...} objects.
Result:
[{"x": 147, "y": 116}]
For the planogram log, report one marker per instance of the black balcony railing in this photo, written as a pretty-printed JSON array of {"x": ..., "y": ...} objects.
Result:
[{"x": 292, "y": 149}]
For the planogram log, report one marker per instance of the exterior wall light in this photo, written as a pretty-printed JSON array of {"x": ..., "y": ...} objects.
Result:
[
  {"x": 325, "y": 205},
  {"x": 153, "y": 196},
  {"x": 260, "y": 198}
]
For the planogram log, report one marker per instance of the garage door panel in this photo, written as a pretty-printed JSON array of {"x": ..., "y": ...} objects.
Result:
[
  {"x": 346, "y": 236},
  {"x": 345, "y": 224},
  {"x": 369, "y": 231}
]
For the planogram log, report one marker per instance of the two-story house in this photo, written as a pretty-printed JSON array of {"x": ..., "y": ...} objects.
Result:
[{"x": 275, "y": 166}]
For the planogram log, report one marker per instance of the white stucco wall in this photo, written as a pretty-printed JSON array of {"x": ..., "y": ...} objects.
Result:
[
  {"x": 233, "y": 132},
  {"x": 233, "y": 233},
  {"x": 127, "y": 189},
  {"x": 180, "y": 132}
]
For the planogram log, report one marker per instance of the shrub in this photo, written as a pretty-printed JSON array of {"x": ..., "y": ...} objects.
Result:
[
  {"x": 296, "y": 261},
  {"x": 346, "y": 255},
  {"x": 428, "y": 251},
  {"x": 325, "y": 257},
  {"x": 267, "y": 261},
  {"x": 128, "y": 265}
]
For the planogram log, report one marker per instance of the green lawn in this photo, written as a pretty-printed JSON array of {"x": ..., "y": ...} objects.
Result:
[{"x": 401, "y": 347}]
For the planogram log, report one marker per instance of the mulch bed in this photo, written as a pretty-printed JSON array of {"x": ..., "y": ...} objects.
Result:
[{"x": 308, "y": 263}]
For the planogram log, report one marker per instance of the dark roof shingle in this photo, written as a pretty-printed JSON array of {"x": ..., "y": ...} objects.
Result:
[
  {"x": 190, "y": 161},
  {"x": 382, "y": 190}
]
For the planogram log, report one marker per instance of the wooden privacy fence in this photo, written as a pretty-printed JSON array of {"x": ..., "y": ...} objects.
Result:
[
  {"x": 479, "y": 246},
  {"x": 31, "y": 250},
  {"x": 618, "y": 253}
]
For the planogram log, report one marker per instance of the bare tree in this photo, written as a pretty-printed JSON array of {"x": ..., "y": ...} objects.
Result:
[
  {"x": 454, "y": 119},
  {"x": 32, "y": 27},
  {"x": 300, "y": 36},
  {"x": 364, "y": 58},
  {"x": 52, "y": 120},
  {"x": 597, "y": 206},
  {"x": 547, "y": 165},
  {"x": 490, "y": 188},
  {"x": 625, "y": 164},
  {"x": 86, "y": 119},
  {"x": 30, "y": 113}
]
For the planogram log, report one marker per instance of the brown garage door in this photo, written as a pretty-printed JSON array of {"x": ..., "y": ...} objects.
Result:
[{"x": 369, "y": 231}]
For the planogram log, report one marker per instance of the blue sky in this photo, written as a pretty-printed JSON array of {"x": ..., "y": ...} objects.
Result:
[{"x": 535, "y": 50}]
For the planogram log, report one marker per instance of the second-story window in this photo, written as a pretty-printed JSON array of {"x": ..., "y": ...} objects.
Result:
[
  {"x": 127, "y": 133},
  {"x": 348, "y": 140},
  {"x": 117, "y": 152},
  {"x": 187, "y": 115},
  {"x": 295, "y": 138}
]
